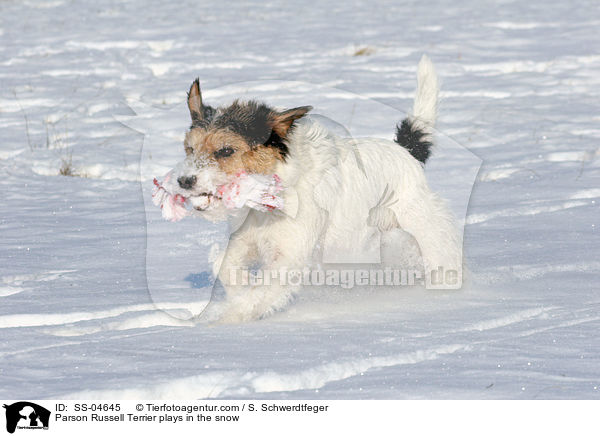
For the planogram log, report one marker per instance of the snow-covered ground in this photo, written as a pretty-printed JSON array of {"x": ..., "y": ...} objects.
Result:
[{"x": 521, "y": 86}]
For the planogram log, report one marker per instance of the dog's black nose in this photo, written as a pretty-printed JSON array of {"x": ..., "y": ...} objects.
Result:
[{"x": 186, "y": 182}]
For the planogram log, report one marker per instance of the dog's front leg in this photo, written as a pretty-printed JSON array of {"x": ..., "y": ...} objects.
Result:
[
  {"x": 239, "y": 257},
  {"x": 268, "y": 290},
  {"x": 273, "y": 286}
]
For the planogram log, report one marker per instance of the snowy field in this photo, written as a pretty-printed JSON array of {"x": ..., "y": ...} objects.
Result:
[{"x": 520, "y": 105}]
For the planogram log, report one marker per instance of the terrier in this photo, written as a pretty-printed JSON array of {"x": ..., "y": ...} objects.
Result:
[{"x": 341, "y": 189}]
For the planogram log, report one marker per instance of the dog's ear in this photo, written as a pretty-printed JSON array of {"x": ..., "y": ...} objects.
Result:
[
  {"x": 282, "y": 121},
  {"x": 195, "y": 102}
]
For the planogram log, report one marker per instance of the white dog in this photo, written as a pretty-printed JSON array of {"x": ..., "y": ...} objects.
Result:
[{"x": 342, "y": 189}]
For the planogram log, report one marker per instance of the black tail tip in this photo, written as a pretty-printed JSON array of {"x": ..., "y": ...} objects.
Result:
[{"x": 413, "y": 139}]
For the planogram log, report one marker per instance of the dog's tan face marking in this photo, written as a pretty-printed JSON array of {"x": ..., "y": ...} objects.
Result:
[{"x": 230, "y": 151}]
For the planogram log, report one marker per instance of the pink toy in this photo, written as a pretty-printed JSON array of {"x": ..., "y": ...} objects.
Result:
[
  {"x": 256, "y": 191},
  {"x": 172, "y": 205}
]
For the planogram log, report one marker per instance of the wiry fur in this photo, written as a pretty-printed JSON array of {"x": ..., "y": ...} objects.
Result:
[
  {"x": 339, "y": 203},
  {"x": 412, "y": 138},
  {"x": 426, "y": 101},
  {"x": 415, "y": 132}
]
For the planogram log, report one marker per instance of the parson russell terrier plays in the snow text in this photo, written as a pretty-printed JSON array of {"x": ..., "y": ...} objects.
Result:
[{"x": 340, "y": 187}]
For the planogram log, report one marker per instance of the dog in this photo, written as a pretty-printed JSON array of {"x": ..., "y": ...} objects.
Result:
[{"x": 343, "y": 189}]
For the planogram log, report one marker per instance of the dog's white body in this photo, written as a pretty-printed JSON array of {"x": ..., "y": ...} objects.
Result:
[{"x": 345, "y": 189}]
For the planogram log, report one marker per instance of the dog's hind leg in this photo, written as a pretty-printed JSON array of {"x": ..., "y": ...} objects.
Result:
[{"x": 431, "y": 224}]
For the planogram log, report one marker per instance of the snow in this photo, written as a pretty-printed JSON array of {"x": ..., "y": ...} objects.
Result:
[{"x": 89, "y": 309}]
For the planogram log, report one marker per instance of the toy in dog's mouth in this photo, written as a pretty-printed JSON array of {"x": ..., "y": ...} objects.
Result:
[{"x": 256, "y": 191}]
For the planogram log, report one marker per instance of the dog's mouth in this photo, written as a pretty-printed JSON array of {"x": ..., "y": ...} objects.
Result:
[{"x": 203, "y": 201}]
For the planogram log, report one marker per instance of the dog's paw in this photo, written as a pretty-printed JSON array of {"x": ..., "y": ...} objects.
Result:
[{"x": 234, "y": 315}]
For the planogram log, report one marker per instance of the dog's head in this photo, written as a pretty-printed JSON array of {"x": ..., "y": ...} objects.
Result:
[{"x": 245, "y": 136}]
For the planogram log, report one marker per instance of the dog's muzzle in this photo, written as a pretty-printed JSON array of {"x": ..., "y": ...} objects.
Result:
[{"x": 202, "y": 201}]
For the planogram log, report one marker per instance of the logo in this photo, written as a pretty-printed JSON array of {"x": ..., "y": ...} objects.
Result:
[{"x": 26, "y": 415}]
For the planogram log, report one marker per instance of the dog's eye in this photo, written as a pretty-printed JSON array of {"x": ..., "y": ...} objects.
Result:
[
  {"x": 189, "y": 150},
  {"x": 224, "y": 152}
]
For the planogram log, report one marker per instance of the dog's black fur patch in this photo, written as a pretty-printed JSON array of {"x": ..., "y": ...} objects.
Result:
[
  {"x": 248, "y": 119},
  {"x": 411, "y": 138},
  {"x": 277, "y": 142}
]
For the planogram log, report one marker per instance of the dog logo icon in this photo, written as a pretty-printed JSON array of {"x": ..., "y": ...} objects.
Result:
[{"x": 26, "y": 415}]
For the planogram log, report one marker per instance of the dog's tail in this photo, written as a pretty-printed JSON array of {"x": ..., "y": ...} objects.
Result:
[{"x": 415, "y": 133}]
